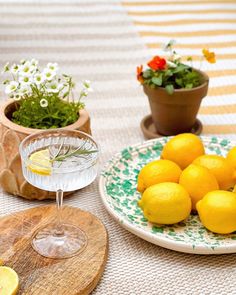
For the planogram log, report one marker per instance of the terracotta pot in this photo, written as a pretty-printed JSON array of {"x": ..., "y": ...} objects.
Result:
[
  {"x": 11, "y": 134},
  {"x": 176, "y": 113}
]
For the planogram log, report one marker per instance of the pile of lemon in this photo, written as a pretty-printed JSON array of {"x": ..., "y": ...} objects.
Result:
[{"x": 187, "y": 179}]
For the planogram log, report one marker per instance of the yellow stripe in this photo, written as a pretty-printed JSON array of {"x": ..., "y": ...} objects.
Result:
[
  {"x": 217, "y": 129},
  {"x": 205, "y": 11},
  {"x": 185, "y": 22},
  {"x": 218, "y": 56},
  {"x": 218, "y": 110},
  {"x": 196, "y": 46},
  {"x": 222, "y": 90},
  {"x": 220, "y": 73},
  {"x": 127, "y": 3},
  {"x": 189, "y": 34}
]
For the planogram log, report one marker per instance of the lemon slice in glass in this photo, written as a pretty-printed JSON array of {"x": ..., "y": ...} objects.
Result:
[
  {"x": 40, "y": 162},
  {"x": 9, "y": 281}
]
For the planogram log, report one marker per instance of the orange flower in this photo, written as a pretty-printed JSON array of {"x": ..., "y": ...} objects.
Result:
[
  {"x": 140, "y": 74},
  {"x": 157, "y": 63},
  {"x": 209, "y": 56}
]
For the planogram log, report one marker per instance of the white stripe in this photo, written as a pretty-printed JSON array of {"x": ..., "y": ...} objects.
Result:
[
  {"x": 192, "y": 51},
  {"x": 218, "y": 119},
  {"x": 219, "y": 100},
  {"x": 180, "y": 7}
]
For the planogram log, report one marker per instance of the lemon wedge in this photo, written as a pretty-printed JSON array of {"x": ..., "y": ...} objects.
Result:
[
  {"x": 41, "y": 163},
  {"x": 9, "y": 281}
]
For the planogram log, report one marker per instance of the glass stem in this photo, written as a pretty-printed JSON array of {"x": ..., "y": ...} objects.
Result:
[{"x": 59, "y": 199}]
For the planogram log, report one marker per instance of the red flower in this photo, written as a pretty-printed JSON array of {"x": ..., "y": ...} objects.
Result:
[
  {"x": 157, "y": 63},
  {"x": 140, "y": 74}
]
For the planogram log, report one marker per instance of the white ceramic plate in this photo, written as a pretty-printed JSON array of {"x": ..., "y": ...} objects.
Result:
[{"x": 117, "y": 186}]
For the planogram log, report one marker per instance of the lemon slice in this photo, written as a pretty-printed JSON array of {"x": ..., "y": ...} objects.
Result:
[
  {"x": 41, "y": 163},
  {"x": 9, "y": 281}
]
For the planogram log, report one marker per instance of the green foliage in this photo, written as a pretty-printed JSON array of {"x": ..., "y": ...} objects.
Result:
[
  {"x": 58, "y": 113},
  {"x": 178, "y": 77}
]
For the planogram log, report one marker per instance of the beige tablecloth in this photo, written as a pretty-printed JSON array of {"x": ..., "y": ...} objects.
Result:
[{"x": 97, "y": 40}]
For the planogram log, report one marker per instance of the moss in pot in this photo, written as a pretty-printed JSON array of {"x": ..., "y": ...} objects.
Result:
[
  {"x": 175, "y": 91},
  {"x": 39, "y": 100}
]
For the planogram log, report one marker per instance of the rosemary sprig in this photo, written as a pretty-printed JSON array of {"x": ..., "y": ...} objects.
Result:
[{"x": 62, "y": 155}]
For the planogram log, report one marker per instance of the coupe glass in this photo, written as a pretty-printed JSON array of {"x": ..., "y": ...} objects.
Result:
[{"x": 71, "y": 163}]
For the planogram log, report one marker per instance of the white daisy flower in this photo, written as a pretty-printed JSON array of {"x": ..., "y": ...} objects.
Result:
[
  {"x": 11, "y": 87},
  {"x": 17, "y": 97},
  {"x": 26, "y": 69},
  {"x": 39, "y": 79},
  {"x": 25, "y": 79},
  {"x": 24, "y": 89},
  {"x": 43, "y": 103},
  {"x": 34, "y": 62},
  {"x": 14, "y": 69},
  {"x": 54, "y": 87},
  {"x": 52, "y": 66},
  {"x": 22, "y": 61},
  {"x": 49, "y": 74}
]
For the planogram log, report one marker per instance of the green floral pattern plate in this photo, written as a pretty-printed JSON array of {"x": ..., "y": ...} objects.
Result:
[{"x": 118, "y": 191}]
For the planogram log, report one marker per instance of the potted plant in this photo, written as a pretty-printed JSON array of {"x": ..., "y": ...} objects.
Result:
[
  {"x": 175, "y": 91},
  {"x": 39, "y": 99}
]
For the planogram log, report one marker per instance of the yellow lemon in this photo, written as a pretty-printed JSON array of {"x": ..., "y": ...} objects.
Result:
[
  {"x": 220, "y": 167},
  {"x": 156, "y": 172},
  {"x": 9, "y": 281},
  {"x": 231, "y": 158},
  {"x": 183, "y": 149},
  {"x": 197, "y": 181},
  {"x": 40, "y": 162},
  {"x": 165, "y": 203},
  {"x": 217, "y": 211}
]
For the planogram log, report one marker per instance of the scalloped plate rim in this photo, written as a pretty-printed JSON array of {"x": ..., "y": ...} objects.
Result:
[{"x": 155, "y": 239}]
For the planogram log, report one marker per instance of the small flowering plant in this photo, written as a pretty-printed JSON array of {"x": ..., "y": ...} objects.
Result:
[
  {"x": 171, "y": 73},
  {"x": 44, "y": 98}
]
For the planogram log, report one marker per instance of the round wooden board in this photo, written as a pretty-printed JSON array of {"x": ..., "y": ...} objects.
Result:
[{"x": 38, "y": 275}]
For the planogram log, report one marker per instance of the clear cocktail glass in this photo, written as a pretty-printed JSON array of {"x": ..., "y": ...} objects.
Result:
[{"x": 59, "y": 161}]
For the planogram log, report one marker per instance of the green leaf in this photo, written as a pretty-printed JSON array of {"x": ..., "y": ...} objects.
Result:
[
  {"x": 169, "y": 89},
  {"x": 147, "y": 74},
  {"x": 189, "y": 86},
  {"x": 157, "y": 80}
]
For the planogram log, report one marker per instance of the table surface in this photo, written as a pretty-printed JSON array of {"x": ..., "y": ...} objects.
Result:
[{"x": 104, "y": 41}]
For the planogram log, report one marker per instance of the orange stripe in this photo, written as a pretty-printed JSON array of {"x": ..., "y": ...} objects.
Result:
[
  {"x": 196, "y": 46},
  {"x": 185, "y": 22},
  {"x": 217, "y": 129},
  {"x": 189, "y": 34},
  {"x": 205, "y": 11},
  {"x": 126, "y": 3},
  {"x": 217, "y": 110},
  {"x": 219, "y": 73},
  {"x": 222, "y": 90}
]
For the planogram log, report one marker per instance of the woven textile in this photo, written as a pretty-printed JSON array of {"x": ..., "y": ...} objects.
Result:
[
  {"x": 195, "y": 25},
  {"x": 97, "y": 40}
]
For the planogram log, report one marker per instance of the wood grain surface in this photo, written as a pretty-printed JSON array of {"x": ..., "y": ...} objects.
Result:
[{"x": 38, "y": 275}]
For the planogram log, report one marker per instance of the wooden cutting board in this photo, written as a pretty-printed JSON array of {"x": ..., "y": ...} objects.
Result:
[{"x": 44, "y": 276}]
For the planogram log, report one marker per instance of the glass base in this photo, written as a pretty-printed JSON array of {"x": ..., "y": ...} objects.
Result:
[{"x": 49, "y": 242}]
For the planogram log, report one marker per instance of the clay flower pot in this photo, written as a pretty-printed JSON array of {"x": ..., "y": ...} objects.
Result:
[
  {"x": 11, "y": 134},
  {"x": 176, "y": 113}
]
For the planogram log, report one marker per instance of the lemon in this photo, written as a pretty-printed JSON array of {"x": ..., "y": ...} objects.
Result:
[
  {"x": 40, "y": 162},
  {"x": 217, "y": 211},
  {"x": 220, "y": 167},
  {"x": 9, "y": 281},
  {"x": 156, "y": 172},
  {"x": 183, "y": 149},
  {"x": 165, "y": 203},
  {"x": 197, "y": 181},
  {"x": 231, "y": 158}
]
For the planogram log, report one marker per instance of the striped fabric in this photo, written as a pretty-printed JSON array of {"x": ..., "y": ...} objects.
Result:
[
  {"x": 195, "y": 25},
  {"x": 96, "y": 40}
]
